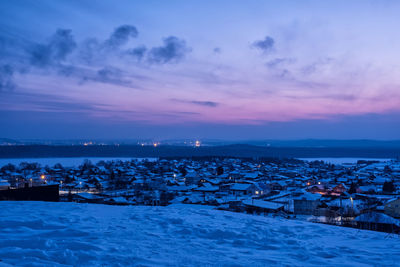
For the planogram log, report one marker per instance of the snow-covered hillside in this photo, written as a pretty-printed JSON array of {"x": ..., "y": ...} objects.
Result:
[{"x": 59, "y": 234}]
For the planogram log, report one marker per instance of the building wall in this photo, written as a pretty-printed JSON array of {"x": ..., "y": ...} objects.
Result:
[
  {"x": 393, "y": 208},
  {"x": 304, "y": 206}
]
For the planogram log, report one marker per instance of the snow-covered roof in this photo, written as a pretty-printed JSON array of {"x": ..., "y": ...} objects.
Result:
[
  {"x": 262, "y": 204},
  {"x": 251, "y": 175},
  {"x": 240, "y": 187},
  {"x": 375, "y": 217},
  {"x": 180, "y": 188},
  {"x": 4, "y": 184},
  {"x": 119, "y": 200},
  {"x": 86, "y": 195},
  {"x": 308, "y": 196},
  {"x": 207, "y": 187}
]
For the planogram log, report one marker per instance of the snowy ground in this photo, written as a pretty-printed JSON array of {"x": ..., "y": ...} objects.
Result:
[{"x": 58, "y": 234}]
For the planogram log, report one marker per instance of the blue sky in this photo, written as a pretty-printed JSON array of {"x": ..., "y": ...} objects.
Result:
[{"x": 200, "y": 69}]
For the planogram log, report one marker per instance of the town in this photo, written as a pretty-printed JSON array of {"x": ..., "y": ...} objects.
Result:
[{"x": 364, "y": 195}]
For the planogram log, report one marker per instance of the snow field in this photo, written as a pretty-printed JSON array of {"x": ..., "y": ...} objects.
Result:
[{"x": 71, "y": 234}]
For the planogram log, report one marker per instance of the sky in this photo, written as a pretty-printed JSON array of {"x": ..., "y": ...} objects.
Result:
[{"x": 229, "y": 70}]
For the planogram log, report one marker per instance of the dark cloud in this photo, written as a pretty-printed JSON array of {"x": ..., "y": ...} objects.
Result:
[
  {"x": 173, "y": 50},
  {"x": 60, "y": 45},
  {"x": 197, "y": 102},
  {"x": 108, "y": 75},
  {"x": 217, "y": 50},
  {"x": 279, "y": 62},
  {"x": 267, "y": 45},
  {"x": 41, "y": 55},
  {"x": 205, "y": 103},
  {"x": 121, "y": 35},
  {"x": 187, "y": 113},
  {"x": 316, "y": 66},
  {"x": 137, "y": 53},
  {"x": 285, "y": 74},
  {"x": 86, "y": 61},
  {"x": 6, "y": 77},
  {"x": 89, "y": 50},
  {"x": 93, "y": 51}
]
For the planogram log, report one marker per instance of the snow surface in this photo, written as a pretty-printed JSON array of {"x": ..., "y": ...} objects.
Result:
[{"x": 61, "y": 234}]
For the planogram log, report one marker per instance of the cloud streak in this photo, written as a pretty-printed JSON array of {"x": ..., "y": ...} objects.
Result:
[{"x": 210, "y": 104}]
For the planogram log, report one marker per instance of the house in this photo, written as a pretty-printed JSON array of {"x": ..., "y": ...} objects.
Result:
[
  {"x": 378, "y": 222},
  {"x": 392, "y": 208},
  {"x": 85, "y": 197},
  {"x": 261, "y": 206},
  {"x": 239, "y": 189},
  {"x": 306, "y": 203},
  {"x": 340, "y": 189},
  {"x": 117, "y": 201},
  {"x": 215, "y": 181},
  {"x": 317, "y": 188},
  {"x": 367, "y": 189},
  {"x": 4, "y": 185},
  {"x": 277, "y": 185},
  {"x": 207, "y": 190},
  {"x": 192, "y": 178},
  {"x": 250, "y": 176}
]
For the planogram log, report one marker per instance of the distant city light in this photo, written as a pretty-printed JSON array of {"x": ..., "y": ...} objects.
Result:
[{"x": 197, "y": 144}]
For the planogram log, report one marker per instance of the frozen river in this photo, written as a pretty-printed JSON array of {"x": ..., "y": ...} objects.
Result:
[
  {"x": 343, "y": 160},
  {"x": 75, "y": 161}
]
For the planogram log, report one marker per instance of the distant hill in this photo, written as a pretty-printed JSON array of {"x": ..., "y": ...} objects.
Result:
[
  {"x": 314, "y": 143},
  {"x": 214, "y": 142},
  {"x": 40, "y": 151}
]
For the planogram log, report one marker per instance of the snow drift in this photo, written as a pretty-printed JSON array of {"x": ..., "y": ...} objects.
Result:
[{"x": 64, "y": 234}]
